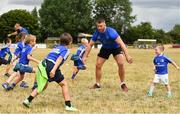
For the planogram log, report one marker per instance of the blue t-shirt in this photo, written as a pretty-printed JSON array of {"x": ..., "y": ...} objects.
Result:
[
  {"x": 81, "y": 50},
  {"x": 19, "y": 48},
  {"x": 107, "y": 38},
  {"x": 27, "y": 50},
  {"x": 4, "y": 51},
  {"x": 23, "y": 30},
  {"x": 58, "y": 51},
  {"x": 161, "y": 64}
]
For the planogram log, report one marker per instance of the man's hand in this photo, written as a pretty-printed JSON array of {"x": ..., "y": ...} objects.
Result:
[
  {"x": 129, "y": 59},
  {"x": 52, "y": 73}
]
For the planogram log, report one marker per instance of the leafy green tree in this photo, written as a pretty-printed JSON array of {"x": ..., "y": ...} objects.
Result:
[
  {"x": 141, "y": 31},
  {"x": 162, "y": 37},
  {"x": 73, "y": 16},
  {"x": 117, "y": 13},
  {"x": 9, "y": 19},
  {"x": 175, "y": 34}
]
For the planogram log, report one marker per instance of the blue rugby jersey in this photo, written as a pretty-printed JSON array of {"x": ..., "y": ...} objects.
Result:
[
  {"x": 19, "y": 48},
  {"x": 107, "y": 38},
  {"x": 58, "y": 51},
  {"x": 161, "y": 64},
  {"x": 81, "y": 50},
  {"x": 27, "y": 50},
  {"x": 4, "y": 51}
]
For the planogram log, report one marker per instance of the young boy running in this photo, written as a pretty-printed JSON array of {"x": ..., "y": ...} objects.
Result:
[
  {"x": 161, "y": 70},
  {"x": 77, "y": 58},
  {"x": 53, "y": 61},
  {"x": 23, "y": 65}
]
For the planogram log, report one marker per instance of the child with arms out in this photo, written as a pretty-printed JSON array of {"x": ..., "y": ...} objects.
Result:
[{"x": 161, "y": 70}]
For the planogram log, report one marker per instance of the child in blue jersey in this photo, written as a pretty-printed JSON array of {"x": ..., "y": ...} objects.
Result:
[
  {"x": 77, "y": 58},
  {"x": 53, "y": 61},
  {"x": 161, "y": 70},
  {"x": 17, "y": 51},
  {"x": 23, "y": 65},
  {"x": 4, "y": 51},
  {"x": 20, "y": 45}
]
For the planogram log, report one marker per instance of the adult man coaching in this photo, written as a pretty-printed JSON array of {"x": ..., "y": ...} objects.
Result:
[{"x": 111, "y": 44}]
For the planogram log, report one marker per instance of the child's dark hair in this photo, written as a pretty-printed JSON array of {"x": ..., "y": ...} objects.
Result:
[
  {"x": 7, "y": 40},
  {"x": 20, "y": 36},
  {"x": 65, "y": 39}
]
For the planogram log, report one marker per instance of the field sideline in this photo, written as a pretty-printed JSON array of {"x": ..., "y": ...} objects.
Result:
[{"x": 110, "y": 99}]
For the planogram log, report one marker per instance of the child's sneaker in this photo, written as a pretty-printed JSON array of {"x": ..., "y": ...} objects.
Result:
[
  {"x": 70, "y": 108},
  {"x": 169, "y": 95},
  {"x": 149, "y": 94},
  {"x": 7, "y": 74},
  {"x": 6, "y": 86},
  {"x": 124, "y": 87},
  {"x": 24, "y": 84},
  {"x": 26, "y": 103},
  {"x": 12, "y": 85}
]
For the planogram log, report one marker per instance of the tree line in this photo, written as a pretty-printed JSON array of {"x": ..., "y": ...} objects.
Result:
[{"x": 76, "y": 16}]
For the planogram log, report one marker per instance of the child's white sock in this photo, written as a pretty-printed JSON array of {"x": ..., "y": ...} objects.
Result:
[{"x": 151, "y": 89}]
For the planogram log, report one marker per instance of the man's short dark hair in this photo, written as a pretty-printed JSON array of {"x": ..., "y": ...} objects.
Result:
[
  {"x": 100, "y": 20},
  {"x": 65, "y": 38}
]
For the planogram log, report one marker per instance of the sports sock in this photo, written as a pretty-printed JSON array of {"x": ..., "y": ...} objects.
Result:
[
  {"x": 151, "y": 89},
  {"x": 30, "y": 98},
  {"x": 68, "y": 103}
]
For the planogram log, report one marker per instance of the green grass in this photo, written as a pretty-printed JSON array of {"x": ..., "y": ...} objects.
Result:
[{"x": 110, "y": 99}]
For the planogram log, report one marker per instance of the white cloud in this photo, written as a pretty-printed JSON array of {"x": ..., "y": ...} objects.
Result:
[
  {"x": 160, "y": 17},
  {"x": 163, "y": 14},
  {"x": 28, "y": 5},
  {"x": 25, "y": 2}
]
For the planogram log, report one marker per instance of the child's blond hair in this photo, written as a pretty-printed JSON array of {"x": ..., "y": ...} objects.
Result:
[
  {"x": 29, "y": 38},
  {"x": 160, "y": 47},
  {"x": 84, "y": 40}
]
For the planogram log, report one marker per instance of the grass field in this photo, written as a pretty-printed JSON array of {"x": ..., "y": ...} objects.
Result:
[{"x": 110, "y": 99}]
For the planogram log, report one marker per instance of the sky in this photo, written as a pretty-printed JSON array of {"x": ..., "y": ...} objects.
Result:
[{"x": 163, "y": 14}]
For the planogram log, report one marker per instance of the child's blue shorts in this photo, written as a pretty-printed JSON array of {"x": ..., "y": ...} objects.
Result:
[{"x": 23, "y": 68}]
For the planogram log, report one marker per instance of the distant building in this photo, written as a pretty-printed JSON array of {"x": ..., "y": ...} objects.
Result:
[
  {"x": 145, "y": 43},
  {"x": 52, "y": 41}
]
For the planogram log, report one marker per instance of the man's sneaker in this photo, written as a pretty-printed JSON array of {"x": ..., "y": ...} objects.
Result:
[
  {"x": 26, "y": 103},
  {"x": 95, "y": 86},
  {"x": 24, "y": 84},
  {"x": 70, "y": 108},
  {"x": 169, "y": 95},
  {"x": 6, "y": 86},
  {"x": 124, "y": 87},
  {"x": 7, "y": 74},
  {"x": 149, "y": 94}
]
